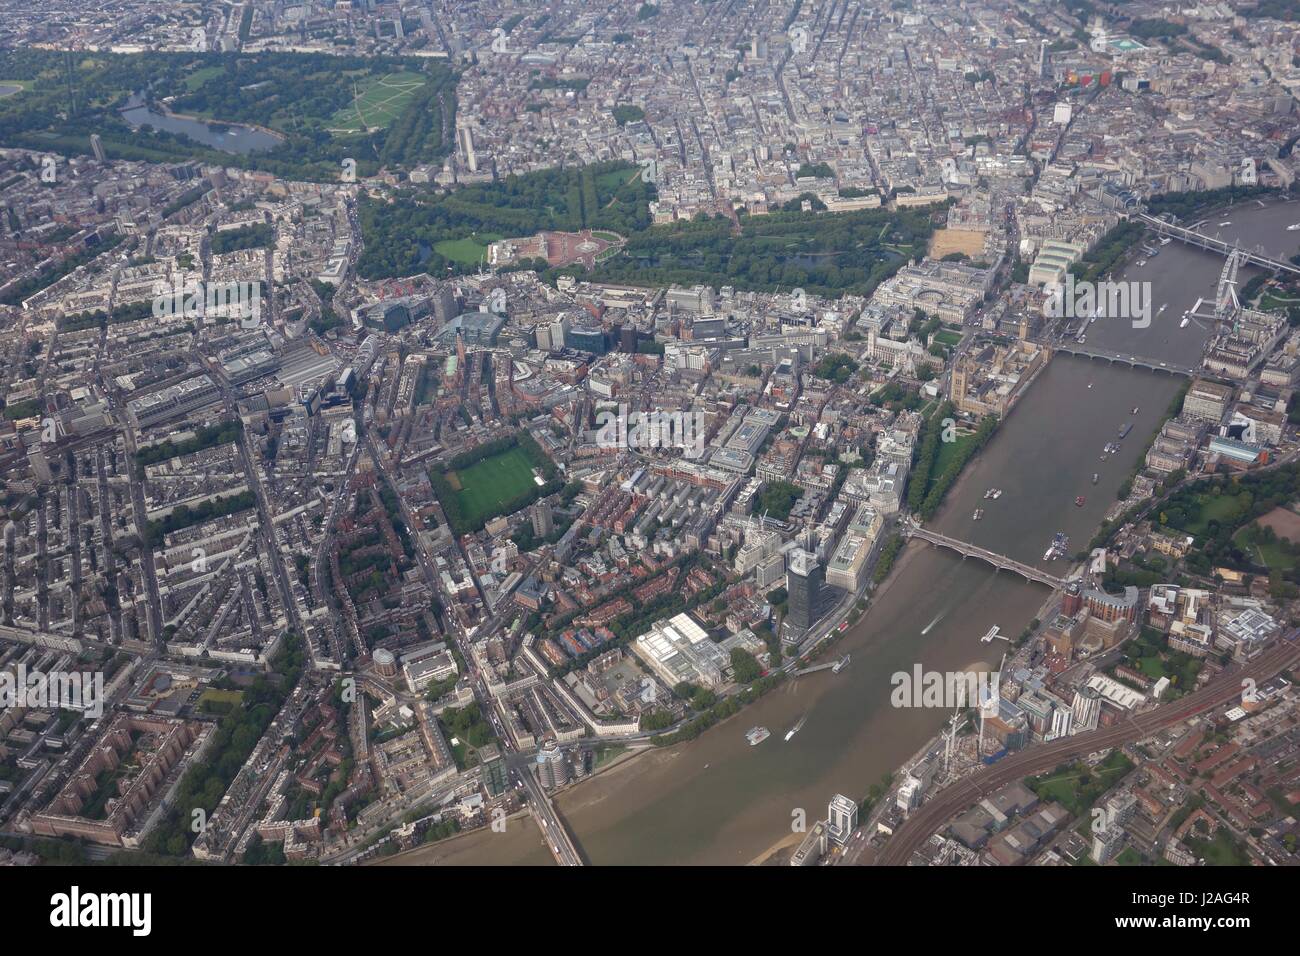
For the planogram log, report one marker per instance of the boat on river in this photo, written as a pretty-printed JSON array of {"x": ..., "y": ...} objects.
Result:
[{"x": 796, "y": 728}]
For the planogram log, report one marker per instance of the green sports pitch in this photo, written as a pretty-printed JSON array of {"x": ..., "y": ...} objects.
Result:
[
  {"x": 377, "y": 103},
  {"x": 486, "y": 487}
]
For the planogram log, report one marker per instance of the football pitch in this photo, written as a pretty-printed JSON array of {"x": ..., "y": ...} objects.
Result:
[{"x": 487, "y": 486}]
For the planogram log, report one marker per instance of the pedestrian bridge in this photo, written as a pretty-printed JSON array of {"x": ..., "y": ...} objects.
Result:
[
  {"x": 909, "y": 528},
  {"x": 1215, "y": 244}
]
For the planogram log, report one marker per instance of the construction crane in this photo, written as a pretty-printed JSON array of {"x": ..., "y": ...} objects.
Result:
[
  {"x": 951, "y": 736},
  {"x": 988, "y": 707}
]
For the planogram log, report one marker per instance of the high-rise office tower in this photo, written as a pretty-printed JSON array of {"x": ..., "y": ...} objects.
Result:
[
  {"x": 543, "y": 522},
  {"x": 552, "y": 770},
  {"x": 1086, "y": 709},
  {"x": 803, "y": 582},
  {"x": 841, "y": 819},
  {"x": 1106, "y": 844}
]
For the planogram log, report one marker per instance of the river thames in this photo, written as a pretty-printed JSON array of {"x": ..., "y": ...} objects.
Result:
[{"x": 716, "y": 800}]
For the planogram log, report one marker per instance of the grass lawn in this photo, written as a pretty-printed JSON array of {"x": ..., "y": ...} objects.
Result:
[
  {"x": 616, "y": 178},
  {"x": 1150, "y": 654},
  {"x": 213, "y": 696},
  {"x": 27, "y": 408},
  {"x": 224, "y": 696},
  {"x": 947, "y": 337},
  {"x": 948, "y": 451},
  {"x": 1153, "y": 667},
  {"x": 460, "y": 753},
  {"x": 1268, "y": 553},
  {"x": 1222, "y": 508},
  {"x": 378, "y": 103},
  {"x": 1063, "y": 788},
  {"x": 467, "y": 251},
  {"x": 201, "y": 76},
  {"x": 605, "y": 754},
  {"x": 1222, "y": 850},
  {"x": 1270, "y": 302},
  {"x": 1076, "y": 787},
  {"x": 96, "y": 808},
  {"x": 487, "y": 485},
  {"x": 1284, "y": 525}
]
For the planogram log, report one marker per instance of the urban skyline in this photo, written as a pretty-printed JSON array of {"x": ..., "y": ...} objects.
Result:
[{"x": 814, "y": 433}]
